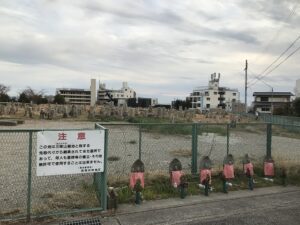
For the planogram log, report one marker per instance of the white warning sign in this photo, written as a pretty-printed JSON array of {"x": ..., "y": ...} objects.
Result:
[{"x": 70, "y": 152}]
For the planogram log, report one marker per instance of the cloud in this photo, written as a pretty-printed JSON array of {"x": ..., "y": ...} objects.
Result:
[{"x": 160, "y": 48}]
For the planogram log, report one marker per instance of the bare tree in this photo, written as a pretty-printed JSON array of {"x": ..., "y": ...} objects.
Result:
[
  {"x": 30, "y": 95},
  {"x": 4, "y": 89},
  {"x": 4, "y": 97}
]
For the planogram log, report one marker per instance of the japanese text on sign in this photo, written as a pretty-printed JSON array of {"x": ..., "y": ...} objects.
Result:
[{"x": 70, "y": 152}]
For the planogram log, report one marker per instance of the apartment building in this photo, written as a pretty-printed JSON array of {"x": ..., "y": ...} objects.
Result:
[{"x": 213, "y": 96}]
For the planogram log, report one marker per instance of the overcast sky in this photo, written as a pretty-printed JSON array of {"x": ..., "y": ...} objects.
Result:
[{"x": 161, "y": 48}]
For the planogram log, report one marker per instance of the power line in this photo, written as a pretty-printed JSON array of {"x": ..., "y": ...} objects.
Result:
[
  {"x": 253, "y": 76},
  {"x": 291, "y": 45},
  {"x": 253, "y": 81},
  {"x": 279, "y": 30},
  {"x": 297, "y": 49},
  {"x": 290, "y": 55},
  {"x": 261, "y": 75}
]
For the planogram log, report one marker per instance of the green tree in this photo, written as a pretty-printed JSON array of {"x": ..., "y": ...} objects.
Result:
[
  {"x": 296, "y": 105},
  {"x": 23, "y": 98},
  {"x": 59, "y": 99}
]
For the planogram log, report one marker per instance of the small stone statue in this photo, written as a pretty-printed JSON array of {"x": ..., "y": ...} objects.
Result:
[
  {"x": 283, "y": 176},
  {"x": 183, "y": 186},
  {"x": 138, "y": 189},
  {"x": 112, "y": 199},
  {"x": 207, "y": 185},
  {"x": 224, "y": 182},
  {"x": 250, "y": 179}
]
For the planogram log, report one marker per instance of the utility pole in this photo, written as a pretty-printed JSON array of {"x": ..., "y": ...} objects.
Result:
[{"x": 246, "y": 85}]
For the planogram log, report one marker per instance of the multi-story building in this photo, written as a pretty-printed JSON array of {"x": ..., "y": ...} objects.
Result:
[
  {"x": 79, "y": 96},
  {"x": 297, "y": 89},
  {"x": 267, "y": 102},
  {"x": 75, "y": 96},
  {"x": 213, "y": 96},
  {"x": 120, "y": 96},
  {"x": 102, "y": 95}
]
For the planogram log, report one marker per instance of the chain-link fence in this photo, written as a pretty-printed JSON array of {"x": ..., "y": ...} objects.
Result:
[
  {"x": 280, "y": 120},
  {"x": 286, "y": 145},
  {"x": 155, "y": 144},
  {"x": 24, "y": 194},
  {"x": 158, "y": 144},
  {"x": 13, "y": 173}
]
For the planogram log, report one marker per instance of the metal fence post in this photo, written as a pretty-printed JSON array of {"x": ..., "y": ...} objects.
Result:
[
  {"x": 104, "y": 174},
  {"x": 140, "y": 142},
  {"x": 29, "y": 177},
  {"x": 194, "y": 148},
  {"x": 228, "y": 127},
  {"x": 269, "y": 139}
]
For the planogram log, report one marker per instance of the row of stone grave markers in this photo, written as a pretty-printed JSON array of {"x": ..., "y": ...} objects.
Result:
[
  {"x": 55, "y": 111},
  {"x": 178, "y": 179}
]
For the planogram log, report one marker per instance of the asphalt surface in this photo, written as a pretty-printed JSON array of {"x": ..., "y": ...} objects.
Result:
[{"x": 264, "y": 206}]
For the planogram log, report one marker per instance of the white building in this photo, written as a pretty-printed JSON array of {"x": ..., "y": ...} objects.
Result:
[
  {"x": 213, "y": 96},
  {"x": 120, "y": 96},
  {"x": 297, "y": 89}
]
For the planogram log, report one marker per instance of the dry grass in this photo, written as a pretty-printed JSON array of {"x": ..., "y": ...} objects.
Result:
[{"x": 66, "y": 200}]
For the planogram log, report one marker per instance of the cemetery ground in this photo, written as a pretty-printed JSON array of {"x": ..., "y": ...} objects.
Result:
[{"x": 160, "y": 144}]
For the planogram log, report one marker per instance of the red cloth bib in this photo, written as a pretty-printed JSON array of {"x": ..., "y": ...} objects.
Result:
[
  {"x": 228, "y": 171},
  {"x": 269, "y": 169},
  {"x": 203, "y": 174},
  {"x": 250, "y": 167},
  {"x": 134, "y": 177},
  {"x": 175, "y": 177}
]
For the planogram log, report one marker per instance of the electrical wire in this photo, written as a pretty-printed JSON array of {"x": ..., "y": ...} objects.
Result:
[
  {"x": 261, "y": 77},
  {"x": 290, "y": 46},
  {"x": 277, "y": 34},
  {"x": 276, "y": 60}
]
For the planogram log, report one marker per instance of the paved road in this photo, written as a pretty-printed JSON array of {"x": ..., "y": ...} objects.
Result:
[{"x": 278, "y": 207}]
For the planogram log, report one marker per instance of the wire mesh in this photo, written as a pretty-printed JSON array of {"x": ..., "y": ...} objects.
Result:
[
  {"x": 59, "y": 193},
  {"x": 123, "y": 145},
  {"x": 280, "y": 120},
  {"x": 13, "y": 173},
  {"x": 156, "y": 144},
  {"x": 248, "y": 139},
  {"x": 162, "y": 143},
  {"x": 286, "y": 145},
  {"x": 212, "y": 142}
]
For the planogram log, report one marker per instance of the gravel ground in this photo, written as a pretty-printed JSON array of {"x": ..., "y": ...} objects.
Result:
[{"x": 157, "y": 151}]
